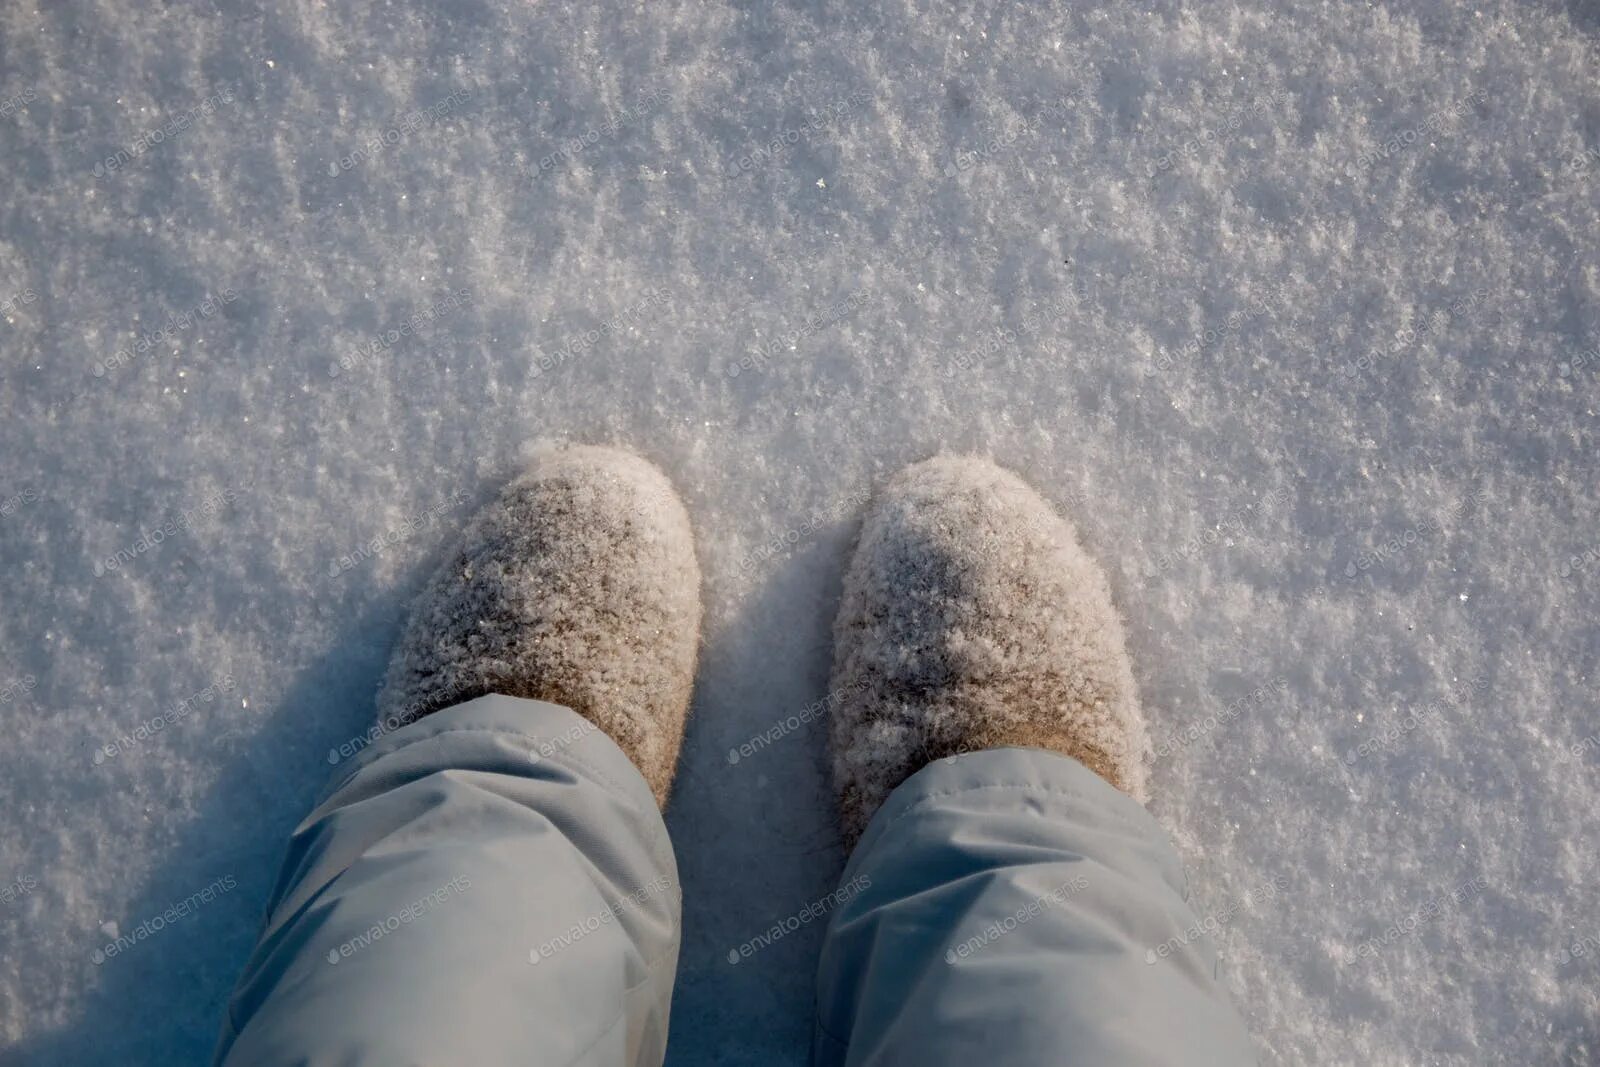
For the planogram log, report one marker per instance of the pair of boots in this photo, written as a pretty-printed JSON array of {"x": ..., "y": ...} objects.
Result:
[
  {"x": 971, "y": 619},
  {"x": 491, "y": 883}
]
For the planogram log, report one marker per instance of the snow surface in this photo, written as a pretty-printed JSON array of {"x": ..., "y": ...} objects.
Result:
[{"x": 1294, "y": 307}]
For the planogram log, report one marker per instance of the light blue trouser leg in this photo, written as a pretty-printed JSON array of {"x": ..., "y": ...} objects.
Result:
[
  {"x": 1008, "y": 908},
  {"x": 490, "y": 885}
]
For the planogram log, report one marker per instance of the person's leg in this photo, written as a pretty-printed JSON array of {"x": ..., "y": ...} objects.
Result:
[
  {"x": 1010, "y": 908},
  {"x": 490, "y": 885},
  {"x": 1009, "y": 901},
  {"x": 491, "y": 882}
]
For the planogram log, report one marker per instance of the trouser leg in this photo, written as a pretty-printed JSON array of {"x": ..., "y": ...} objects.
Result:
[
  {"x": 490, "y": 885},
  {"x": 1009, "y": 908}
]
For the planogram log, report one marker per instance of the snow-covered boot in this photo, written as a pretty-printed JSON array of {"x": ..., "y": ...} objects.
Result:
[
  {"x": 578, "y": 586},
  {"x": 972, "y": 619}
]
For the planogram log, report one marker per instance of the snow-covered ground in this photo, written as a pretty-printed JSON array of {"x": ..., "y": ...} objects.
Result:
[{"x": 1294, "y": 307}]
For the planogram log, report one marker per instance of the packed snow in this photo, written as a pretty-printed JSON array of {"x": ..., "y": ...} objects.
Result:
[{"x": 1294, "y": 308}]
